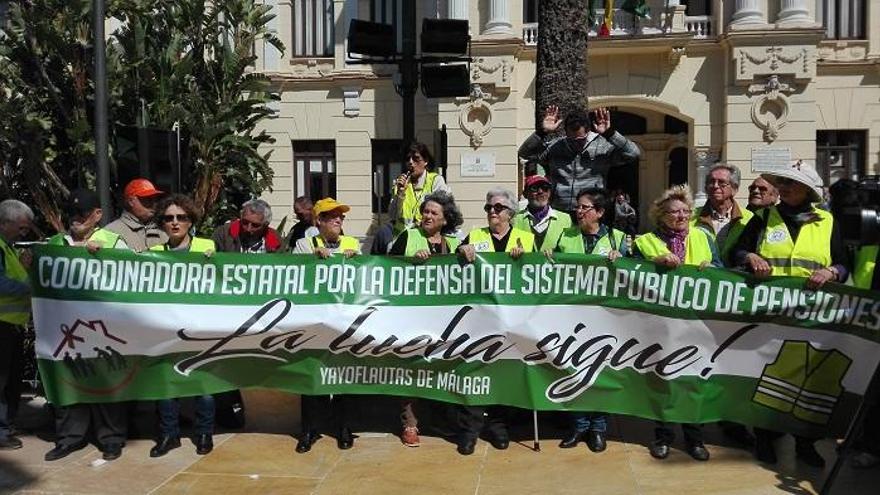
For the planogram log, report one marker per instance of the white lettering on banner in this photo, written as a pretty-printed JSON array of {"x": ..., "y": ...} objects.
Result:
[
  {"x": 432, "y": 280},
  {"x": 125, "y": 276},
  {"x": 565, "y": 279}
]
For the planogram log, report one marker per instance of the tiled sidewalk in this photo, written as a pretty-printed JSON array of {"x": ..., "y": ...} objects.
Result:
[{"x": 262, "y": 461}]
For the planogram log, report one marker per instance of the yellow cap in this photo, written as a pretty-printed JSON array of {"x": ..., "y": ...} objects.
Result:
[{"x": 329, "y": 204}]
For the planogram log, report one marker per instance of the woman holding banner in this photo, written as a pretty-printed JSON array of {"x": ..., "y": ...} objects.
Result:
[
  {"x": 176, "y": 215},
  {"x": 797, "y": 239},
  {"x": 590, "y": 236},
  {"x": 499, "y": 236},
  {"x": 671, "y": 244},
  {"x": 434, "y": 236}
]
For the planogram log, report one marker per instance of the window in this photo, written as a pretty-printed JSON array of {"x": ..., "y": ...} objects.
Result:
[
  {"x": 313, "y": 28},
  {"x": 387, "y": 166},
  {"x": 843, "y": 19},
  {"x": 530, "y": 11},
  {"x": 698, "y": 7},
  {"x": 314, "y": 167},
  {"x": 840, "y": 155}
]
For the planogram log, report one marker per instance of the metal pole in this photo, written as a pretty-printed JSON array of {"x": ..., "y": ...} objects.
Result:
[
  {"x": 103, "y": 167},
  {"x": 409, "y": 77}
]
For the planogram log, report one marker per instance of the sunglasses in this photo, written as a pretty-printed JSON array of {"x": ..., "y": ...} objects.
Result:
[
  {"x": 757, "y": 188},
  {"x": 538, "y": 187},
  {"x": 179, "y": 218},
  {"x": 497, "y": 208}
]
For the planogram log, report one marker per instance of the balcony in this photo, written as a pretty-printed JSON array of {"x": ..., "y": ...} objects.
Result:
[{"x": 626, "y": 25}]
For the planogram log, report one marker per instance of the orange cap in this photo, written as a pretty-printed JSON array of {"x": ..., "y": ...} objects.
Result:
[{"x": 141, "y": 188}]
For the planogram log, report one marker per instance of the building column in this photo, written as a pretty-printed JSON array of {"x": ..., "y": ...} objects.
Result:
[
  {"x": 457, "y": 9},
  {"x": 747, "y": 12},
  {"x": 793, "y": 12},
  {"x": 499, "y": 18}
]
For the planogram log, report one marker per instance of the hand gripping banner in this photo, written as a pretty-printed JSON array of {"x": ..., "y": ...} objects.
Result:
[{"x": 577, "y": 333}]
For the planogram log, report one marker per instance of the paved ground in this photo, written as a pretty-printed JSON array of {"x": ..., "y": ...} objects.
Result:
[{"x": 262, "y": 461}]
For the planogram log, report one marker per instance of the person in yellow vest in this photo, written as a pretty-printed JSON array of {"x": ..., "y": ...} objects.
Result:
[
  {"x": 674, "y": 243},
  {"x": 590, "y": 236},
  {"x": 411, "y": 187},
  {"x": 434, "y": 236},
  {"x": 538, "y": 217},
  {"x": 500, "y": 236},
  {"x": 176, "y": 214},
  {"x": 108, "y": 420},
  {"x": 796, "y": 239},
  {"x": 16, "y": 222},
  {"x": 721, "y": 216},
  {"x": 329, "y": 215}
]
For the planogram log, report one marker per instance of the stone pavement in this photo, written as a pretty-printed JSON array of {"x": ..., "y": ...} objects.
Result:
[{"x": 262, "y": 461}]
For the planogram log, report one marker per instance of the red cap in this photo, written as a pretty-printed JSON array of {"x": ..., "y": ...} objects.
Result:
[
  {"x": 535, "y": 179},
  {"x": 141, "y": 188}
]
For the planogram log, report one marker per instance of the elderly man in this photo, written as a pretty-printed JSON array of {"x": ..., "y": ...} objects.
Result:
[
  {"x": 762, "y": 194},
  {"x": 16, "y": 220},
  {"x": 135, "y": 225},
  {"x": 250, "y": 233},
  {"x": 538, "y": 217},
  {"x": 581, "y": 159},
  {"x": 305, "y": 226},
  {"x": 721, "y": 216}
]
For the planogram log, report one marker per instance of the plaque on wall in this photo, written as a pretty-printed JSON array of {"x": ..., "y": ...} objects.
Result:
[
  {"x": 478, "y": 164},
  {"x": 767, "y": 159}
]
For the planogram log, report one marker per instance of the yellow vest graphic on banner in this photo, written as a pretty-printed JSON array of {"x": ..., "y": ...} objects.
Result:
[{"x": 803, "y": 381}]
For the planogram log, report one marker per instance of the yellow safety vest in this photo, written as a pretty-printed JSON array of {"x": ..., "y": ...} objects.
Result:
[
  {"x": 410, "y": 210},
  {"x": 698, "y": 247},
  {"x": 863, "y": 271},
  {"x": 346, "y": 243},
  {"x": 572, "y": 241},
  {"x": 810, "y": 252},
  {"x": 481, "y": 239},
  {"x": 803, "y": 381},
  {"x": 104, "y": 236},
  {"x": 196, "y": 245},
  {"x": 416, "y": 241},
  {"x": 558, "y": 222},
  {"x": 14, "y": 309}
]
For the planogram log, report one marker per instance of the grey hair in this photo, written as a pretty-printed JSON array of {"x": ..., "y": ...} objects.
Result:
[
  {"x": 732, "y": 169},
  {"x": 260, "y": 207},
  {"x": 508, "y": 199},
  {"x": 13, "y": 209}
]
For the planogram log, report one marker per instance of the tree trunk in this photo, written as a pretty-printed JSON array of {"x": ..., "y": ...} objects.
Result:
[{"x": 562, "y": 56}]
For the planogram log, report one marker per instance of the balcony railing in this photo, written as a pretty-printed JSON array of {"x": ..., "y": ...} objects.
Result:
[{"x": 625, "y": 24}]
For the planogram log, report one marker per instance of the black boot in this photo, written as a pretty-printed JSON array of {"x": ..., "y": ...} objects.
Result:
[
  {"x": 571, "y": 440},
  {"x": 306, "y": 440},
  {"x": 164, "y": 445},
  {"x": 204, "y": 443},
  {"x": 596, "y": 441},
  {"x": 345, "y": 440}
]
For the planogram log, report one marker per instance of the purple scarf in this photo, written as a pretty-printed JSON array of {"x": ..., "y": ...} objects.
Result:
[{"x": 674, "y": 241}]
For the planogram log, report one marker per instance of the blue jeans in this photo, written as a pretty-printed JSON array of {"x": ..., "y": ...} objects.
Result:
[
  {"x": 586, "y": 421},
  {"x": 169, "y": 416}
]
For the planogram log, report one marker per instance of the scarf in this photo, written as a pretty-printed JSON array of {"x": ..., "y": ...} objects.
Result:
[{"x": 674, "y": 240}]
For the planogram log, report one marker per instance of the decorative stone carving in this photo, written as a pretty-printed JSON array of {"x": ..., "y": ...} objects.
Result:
[
  {"x": 675, "y": 55},
  {"x": 704, "y": 157},
  {"x": 351, "y": 97},
  {"x": 475, "y": 117},
  {"x": 798, "y": 61},
  {"x": 770, "y": 110},
  {"x": 492, "y": 70},
  {"x": 843, "y": 51}
]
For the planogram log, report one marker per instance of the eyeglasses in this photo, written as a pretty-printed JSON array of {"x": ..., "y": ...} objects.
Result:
[
  {"x": 719, "y": 183},
  {"x": 179, "y": 218},
  {"x": 497, "y": 208},
  {"x": 538, "y": 187},
  {"x": 675, "y": 213},
  {"x": 248, "y": 223},
  {"x": 584, "y": 207}
]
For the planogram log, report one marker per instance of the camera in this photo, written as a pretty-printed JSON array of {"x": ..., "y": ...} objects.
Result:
[{"x": 856, "y": 208}]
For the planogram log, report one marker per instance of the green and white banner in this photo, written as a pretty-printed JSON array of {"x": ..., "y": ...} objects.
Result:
[{"x": 578, "y": 333}]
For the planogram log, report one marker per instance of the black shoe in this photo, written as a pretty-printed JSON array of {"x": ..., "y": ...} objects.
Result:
[
  {"x": 164, "y": 445},
  {"x": 806, "y": 453},
  {"x": 62, "y": 451},
  {"x": 112, "y": 451},
  {"x": 698, "y": 451},
  {"x": 764, "y": 450},
  {"x": 659, "y": 449},
  {"x": 204, "y": 443},
  {"x": 738, "y": 434},
  {"x": 345, "y": 440},
  {"x": 596, "y": 441},
  {"x": 572, "y": 440},
  {"x": 10, "y": 443},
  {"x": 306, "y": 440},
  {"x": 466, "y": 445}
]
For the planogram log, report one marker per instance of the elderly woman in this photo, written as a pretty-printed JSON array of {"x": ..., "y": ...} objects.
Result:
[
  {"x": 176, "y": 215},
  {"x": 498, "y": 237},
  {"x": 590, "y": 236},
  {"x": 329, "y": 215},
  {"x": 795, "y": 239},
  {"x": 673, "y": 243},
  {"x": 434, "y": 236}
]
